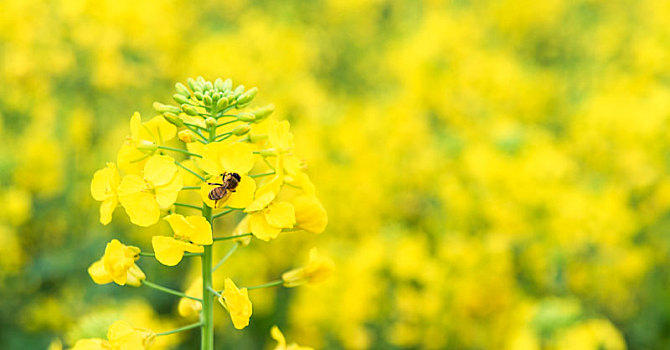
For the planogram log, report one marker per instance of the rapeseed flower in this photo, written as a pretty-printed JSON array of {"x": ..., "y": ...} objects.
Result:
[
  {"x": 103, "y": 188},
  {"x": 146, "y": 136},
  {"x": 267, "y": 223},
  {"x": 310, "y": 214},
  {"x": 222, "y": 157},
  {"x": 281, "y": 341},
  {"x": 237, "y": 302},
  {"x": 117, "y": 265},
  {"x": 157, "y": 188},
  {"x": 120, "y": 336},
  {"x": 318, "y": 269}
]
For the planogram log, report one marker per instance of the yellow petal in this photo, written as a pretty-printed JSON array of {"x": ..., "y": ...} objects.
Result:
[
  {"x": 106, "y": 209},
  {"x": 279, "y": 135},
  {"x": 189, "y": 307},
  {"x": 237, "y": 158},
  {"x": 130, "y": 185},
  {"x": 210, "y": 161},
  {"x": 104, "y": 183},
  {"x": 244, "y": 193},
  {"x": 168, "y": 250},
  {"x": 280, "y": 215},
  {"x": 194, "y": 228},
  {"x": 98, "y": 273},
  {"x": 238, "y": 303},
  {"x": 135, "y": 126},
  {"x": 167, "y": 194},
  {"x": 135, "y": 276},
  {"x": 92, "y": 344},
  {"x": 161, "y": 128},
  {"x": 142, "y": 208},
  {"x": 278, "y": 336},
  {"x": 310, "y": 214},
  {"x": 188, "y": 178},
  {"x": 159, "y": 170},
  {"x": 260, "y": 227},
  {"x": 130, "y": 159}
]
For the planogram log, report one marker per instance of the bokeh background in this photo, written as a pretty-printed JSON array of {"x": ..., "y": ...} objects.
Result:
[{"x": 495, "y": 172}]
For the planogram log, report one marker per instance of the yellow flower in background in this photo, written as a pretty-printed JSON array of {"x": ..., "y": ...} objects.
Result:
[
  {"x": 242, "y": 228},
  {"x": 117, "y": 265},
  {"x": 310, "y": 214},
  {"x": 219, "y": 158},
  {"x": 189, "y": 307},
  {"x": 120, "y": 336},
  {"x": 192, "y": 228},
  {"x": 237, "y": 303},
  {"x": 170, "y": 251},
  {"x": 103, "y": 188},
  {"x": 144, "y": 196},
  {"x": 92, "y": 344},
  {"x": 281, "y": 341},
  {"x": 268, "y": 190},
  {"x": 154, "y": 132},
  {"x": 123, "y": 336},
  {"x": 266, "y": 224},
  {"x": 318, "y": 269},
  {"x": 279, "y": 135}
]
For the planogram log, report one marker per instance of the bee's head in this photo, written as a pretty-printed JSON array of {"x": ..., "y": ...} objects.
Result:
[{"x": 236, "y": 176}]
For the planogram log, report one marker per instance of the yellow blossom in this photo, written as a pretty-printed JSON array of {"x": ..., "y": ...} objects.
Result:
[
  {"x": 219, "y": 158},
  {"x": 281, "y": 341},
  {"x": 310, "y": 214},
  {"x": 117, "y": 265},
  {"x": 192, "y": 228},
  {"x": 144, "y": 196},
  {"x": 92, "y": 344},
  {"x": 318, "y": 269},
  {"x": 155, "y": 131},
  {"x": 279, "y": 135},
  {"x": 189, "y": 307},
  {"x": 103, "y": 188},
  {"x": 237, "y": 302},
  {"x": 123, "y": 336},
  {"x": 170, "y": 251},
  {"x": 267, "y": 223}
]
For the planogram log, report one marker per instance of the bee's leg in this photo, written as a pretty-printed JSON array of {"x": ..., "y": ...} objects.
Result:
[{"x": 214, "y": 183}]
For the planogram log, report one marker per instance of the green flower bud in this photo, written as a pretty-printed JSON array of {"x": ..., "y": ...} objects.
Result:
[
  {"x": 147, "y": 146},
  {"x": 192, "y": 84},
  {"x": 209, "y": 86},
  {"x": 246, "y": 117},
  {"x": 173, "y": 119},
  {"x": 161, "y": 108},
  {"x": 186, "y": 136},
  {"x": 263, "y": 112},
  {"x": 268, "y": 153},
  {"x": 216, "y": 96},
  {"x": 238, "y": 91},
  {"x": 180, "y": 98},
  {"x": 246, "y": 97},
  {"x": 208, "y": 100},
  {"x": 222, "y": 104},
  {"x": 210, "y": 122},
  {"x": 218, "y": 84},
  {"x": 227, "y": 85},
  {"x": 189, "y": 110},
  {"x": 182, "y": 90},
  {"x": 201, "y": 81},
  {"x": 241, "y": 130},
  {"x": 257, "y": 137},
  {"x": 198, "y": 95}
]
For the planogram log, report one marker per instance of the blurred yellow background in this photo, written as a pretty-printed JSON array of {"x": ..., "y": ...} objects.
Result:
[{"x": 495, "y": 172}]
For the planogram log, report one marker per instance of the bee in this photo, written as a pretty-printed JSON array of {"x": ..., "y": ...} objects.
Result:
[{"x": 226, "y": 187}]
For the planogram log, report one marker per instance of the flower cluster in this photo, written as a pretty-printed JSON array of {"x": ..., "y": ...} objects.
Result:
[{"x": 241, "y": 162}]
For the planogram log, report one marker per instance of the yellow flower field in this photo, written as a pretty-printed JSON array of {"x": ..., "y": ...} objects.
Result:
[{"x": 427, "y": 175}]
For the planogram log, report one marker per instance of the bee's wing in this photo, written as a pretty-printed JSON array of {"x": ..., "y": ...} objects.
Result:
[{"x": 224, "y": 198}]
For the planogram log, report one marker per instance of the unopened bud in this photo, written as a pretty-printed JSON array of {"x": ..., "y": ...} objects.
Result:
[
  {"x": 210, "y": 122},
  {"x": 180, "y": 98},
  {"x": 222, "y": 104},
  {"x": 182, "y": 90},
  {"x": 246, "y": 117},
  {"x": 263, "y": 112},
  {"x": 238, "y": 91},
  {"x": 186, "y": 136},
  {"x": 161, "y": 108},
  {"x": 216, "y": 96},
  {"x": 218, "y": 84},
  {"x": 189, "y": 110},
  {"x": 208, "y": 86},
  {"x": 173, "y": 119},
  {"x": 268, "y": 153},
  {"x": 257, "y": 137},
  {"x": 246, "y": 97},
  {"x": 241, "y": 130},
  {"x": 198, "y": 95},
  {"x": 227, "y": 84},
  {"x": 147, "y": 146},
  {"x": 194, "y": 85},
  {"x": 208, "y": 100}
]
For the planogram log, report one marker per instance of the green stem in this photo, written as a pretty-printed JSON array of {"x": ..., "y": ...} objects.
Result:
[
  {"x": 263, "y": 174},
  {"x": 222, "y": 213},
  {"x": 266, "y": 285},
  {"x": 181, "y": 329},
  {"x": 168, "y": 290},
  {"x": 154, "y": 254},
  {"x": 179, "y": 150},
  {"x": 232, "y": 237},
  {"x": 197, "y": 132},
  {"x": 225, "y": 257},
  {"x": 187, "y": 205},
  {"x": 190, "y": 171},
  {"x": 196, "y": 126},
  {"x": 207, "y": 315},
  {"x": 190, "y": 188}
]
